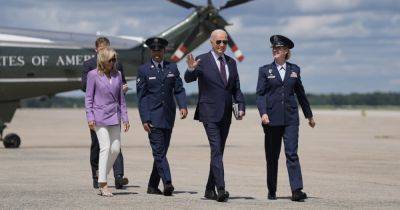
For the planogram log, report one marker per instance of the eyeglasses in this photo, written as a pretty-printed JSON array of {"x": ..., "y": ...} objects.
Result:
[
  {"x": 218, "y": 42},
  {"x": 112, "y": 60}
]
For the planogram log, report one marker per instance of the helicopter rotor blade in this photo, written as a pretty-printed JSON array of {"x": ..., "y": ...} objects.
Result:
[
  {"x": 232, "y": 3},
  {"x": 183, "y": 3},
  {"x": 183, "y": 47},
  {"x": 238, "y": 54}
]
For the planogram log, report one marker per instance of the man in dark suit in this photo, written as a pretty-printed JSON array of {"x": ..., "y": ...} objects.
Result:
[
  {"x": 277, "y": 85},
  {"x": 158, "y": 84},
  {"x": 218, "y": 82},
  {"x": 120, "y": 180}
]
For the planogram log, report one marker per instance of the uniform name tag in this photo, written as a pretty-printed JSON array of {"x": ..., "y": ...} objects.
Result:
[
  {"x": 152, "y": 78},
  {"x": 271, "y": 77},
  {"x": 293, "y": 74},
  {"x": 171, "y": 75}
]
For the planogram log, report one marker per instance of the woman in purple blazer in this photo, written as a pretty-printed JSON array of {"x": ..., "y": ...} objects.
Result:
[{"x": 105, "y": 109}]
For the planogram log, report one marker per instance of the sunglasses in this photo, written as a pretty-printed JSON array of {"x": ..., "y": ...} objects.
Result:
[
  {"x": 112, "y": 60},
  {"x": 218, "y": 42}
]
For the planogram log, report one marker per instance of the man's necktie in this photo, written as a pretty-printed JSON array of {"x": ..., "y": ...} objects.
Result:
[
  {"x": 160, "y": 67},
  {"x": 222, "y": 70}
]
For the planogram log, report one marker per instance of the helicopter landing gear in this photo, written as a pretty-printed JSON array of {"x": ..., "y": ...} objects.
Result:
[{"x": 11, "y": 140}]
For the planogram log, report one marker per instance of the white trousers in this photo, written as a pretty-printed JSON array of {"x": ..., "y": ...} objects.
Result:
[{"x": 110, "y": 145}]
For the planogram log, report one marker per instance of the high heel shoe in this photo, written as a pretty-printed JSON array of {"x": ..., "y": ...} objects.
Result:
[{"x": 104, "y": 191}]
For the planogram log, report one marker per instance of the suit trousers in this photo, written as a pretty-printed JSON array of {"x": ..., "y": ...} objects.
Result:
[
  {"x": 94, "y": 158},
  {"x": 273, "y": 141},
  {"x": 159, "y": 142},
  {"x": 217, "y": 133},
  {"x": 110, "y": 146}
]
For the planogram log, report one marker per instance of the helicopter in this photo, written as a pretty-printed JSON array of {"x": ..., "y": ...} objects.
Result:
[{"x": 35, "y": 63}]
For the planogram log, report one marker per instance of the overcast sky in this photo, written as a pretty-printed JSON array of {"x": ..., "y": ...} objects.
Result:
[{"x": 342, "y": 46}]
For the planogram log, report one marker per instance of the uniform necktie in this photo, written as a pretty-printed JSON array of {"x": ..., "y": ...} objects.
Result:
[
  {"x": 160, "y": 67},
  {"x": 282, "y": 73},
  {"x": 222, "y": 70}
]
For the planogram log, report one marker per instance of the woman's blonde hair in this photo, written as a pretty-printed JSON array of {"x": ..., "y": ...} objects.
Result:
[{"x": 104, "y": 56}]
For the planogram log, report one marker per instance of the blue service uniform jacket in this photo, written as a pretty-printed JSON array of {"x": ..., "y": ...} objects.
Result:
[
  {"x": 214, "y": 96},
  {"x": 276, "y": 97},
  {"x": 156, "y": 90}
]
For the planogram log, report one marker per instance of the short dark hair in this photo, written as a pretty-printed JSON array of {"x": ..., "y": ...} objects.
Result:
[{"x": 100, "y": 40}]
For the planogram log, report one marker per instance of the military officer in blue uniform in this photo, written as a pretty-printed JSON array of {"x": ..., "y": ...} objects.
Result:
[
  {"x": 278, "y": 83},
  {"x": 158, "y": 84}
]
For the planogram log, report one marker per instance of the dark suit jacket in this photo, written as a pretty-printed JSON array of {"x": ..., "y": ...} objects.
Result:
[
  {"x": 276, "y": 97},
  {"x": 156, "y": 91},
  {"x": 92, "y": 64},
  {"x": 214, "y": 98}
]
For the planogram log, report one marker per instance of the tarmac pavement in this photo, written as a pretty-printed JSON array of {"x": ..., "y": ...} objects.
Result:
[{"x": 349, "y": 161}]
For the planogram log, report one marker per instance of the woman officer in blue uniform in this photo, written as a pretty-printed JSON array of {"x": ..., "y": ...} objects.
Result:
[{"x": 278, "y": 83}]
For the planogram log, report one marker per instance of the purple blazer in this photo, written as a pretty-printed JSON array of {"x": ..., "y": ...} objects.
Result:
[{"x": 105, "y": 102}]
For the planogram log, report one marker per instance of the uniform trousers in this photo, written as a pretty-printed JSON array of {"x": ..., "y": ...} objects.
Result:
[
  {"x": 273, "y": 142},
  {"x": 159, "y": 142}
]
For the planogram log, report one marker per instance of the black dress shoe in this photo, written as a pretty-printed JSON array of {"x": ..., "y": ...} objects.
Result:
[
  {"x": 298, "y": 195},
  {"x": 210, "y": 194},
  {"x": 168, "y": 189},
  {"x": 120, "y": 182},
  {"x": 271, "y": 196},
  {"x": 223, "y": 195},
  {"x": 152, "y": 190},
  {"x": 95, "y": 184}
]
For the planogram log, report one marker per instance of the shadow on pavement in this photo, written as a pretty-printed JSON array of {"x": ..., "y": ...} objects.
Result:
[
  {"x": 125, "y": 193},
  {"x": 126, "y": 186},
  {"x": 182, "y": 192},
  {"x": 242, "y": 197}
]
